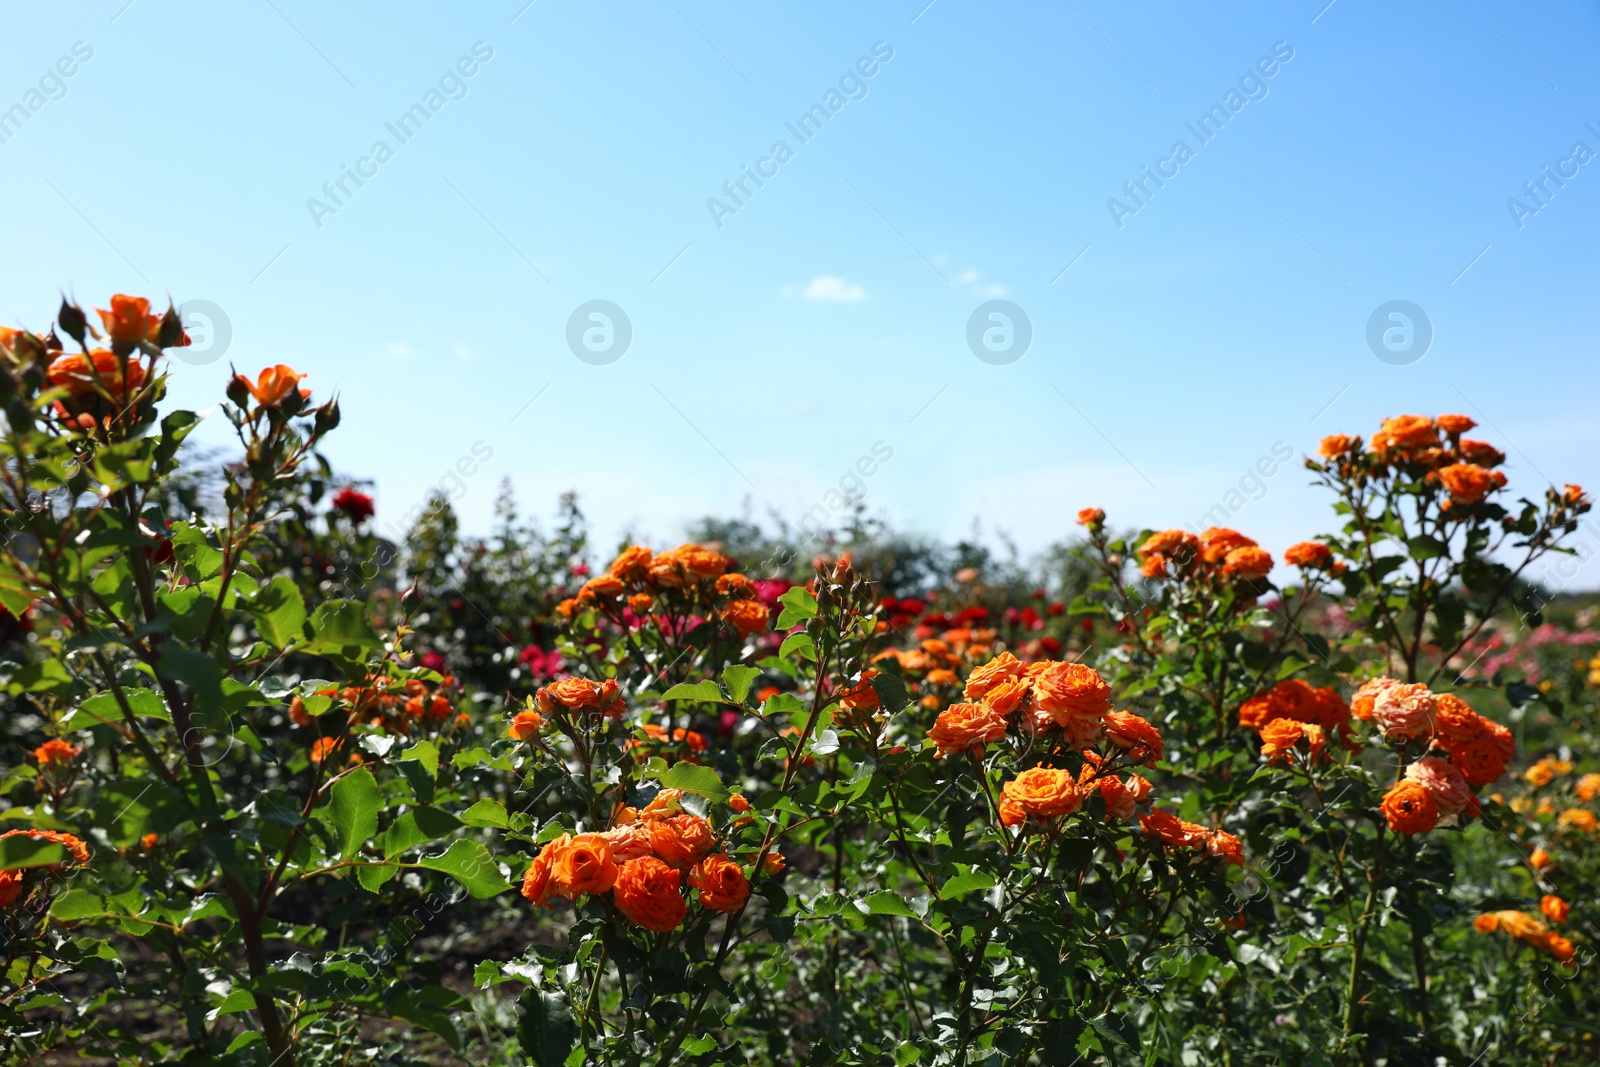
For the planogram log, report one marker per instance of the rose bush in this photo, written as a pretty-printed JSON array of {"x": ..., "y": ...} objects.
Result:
[{"x": 280, "y": 791}]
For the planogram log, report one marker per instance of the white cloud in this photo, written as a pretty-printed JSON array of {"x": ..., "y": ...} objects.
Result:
[{"x": 834, "y": 290}]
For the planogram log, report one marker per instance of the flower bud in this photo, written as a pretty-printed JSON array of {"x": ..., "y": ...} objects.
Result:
[{"x": 72, "y": 320}]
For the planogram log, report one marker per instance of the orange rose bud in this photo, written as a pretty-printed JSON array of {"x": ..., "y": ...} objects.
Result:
[
  {"x": 1091, "y": 517},
  {"x": 646, "y": 891},
  {"x": 274, "y": 384},
  {"x": 129, "y": 320},
  {"x": 738, "y": 803},
  {"x": 1554, "y": 908},
  {"x": 1308, "y": 555},
  {"x": 1539, "y": 860},
  {"x": 721, "y": 882},
  {"x": 524, "y": 725},
  {"x": 1410, "y": 808}
]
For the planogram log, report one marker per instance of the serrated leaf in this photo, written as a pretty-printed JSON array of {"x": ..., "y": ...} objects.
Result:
[
  {"x": 799, "y": 644},
  {"x": 798, "y": 606},
  {"x": 969, "y": 882},
  {"x": 886, "y": 902},
  {"x": 693, "y": 778},
  {"x": 469, "y": 863},
  {"x": 487, "y": 812},
  {"x": 891, "y": 692},
  {"x": 706, "y": 690},
  {"x": 545, "y": 1028},
  {"x": 736, "y": 677},
  {"x": 354, "y": 804},
  {"x": 279, "y": 612}
]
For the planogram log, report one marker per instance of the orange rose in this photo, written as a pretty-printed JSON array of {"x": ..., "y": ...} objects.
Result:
[
  {"x": 1224, "y": 846},
  {"x": 647, "y": 892},
  {"x": 1154, "y": 566},
  {"x": 322, "y": 747},
  {"x": 1178, "y": 543},
  {"x": 1066, "y": 690},
  {"x": 1257, "y": 711},
  {"x": 997, "y": 671},
  {"x": 1454, "y": 721},
  {"x": 681, "y": 840},
  {"x": 1410, "y": 432},
  {"x": 1005, "y": 697},
  {"x": 1171, "y": 830},
  {"x": 605, "y": 586},
  {"x": 73, "y": 373},
  {"x": 747, "y": 615},
  {"x": 525, "y": 724},
  {"x": 1044, "y": 792},
  {"x": 1091, "y": 517},
  {"x": 1454, "y": 424},
  {"x": 732, "y": 583},
  {"x": 1468, "y": 483},
  {"x": 1308, "y": 555},
  {"x": 1480, "y": 452},
  {"x": 633, "y": 564},
  {"x": 10, "y": 887},
  {"x": 721, "y": 882},
  {"x": 967, "y": 727},
  {"x": 1539, "y": 860},
  {"x": 1580, "y": 819},
  {"x": 1248, "y": 562},
  {"x": 1134, "y": 735},
  {"x": 582, "y": 865},
  {"x": 1554, "y": 908},
  {"x": 1337, "y": 445},
  {"x": 1480, "y": 759},
  {"x": 129, "y": 319},
  {"x": 57, "y": 751},
  {"x": 1410, "y": 809},
  {"x": 1217, "y": 541},
  {"x": 274, "y": 384},
  {"x": 1279, "y": 737},
  {"x": 1486, "y": 923}
]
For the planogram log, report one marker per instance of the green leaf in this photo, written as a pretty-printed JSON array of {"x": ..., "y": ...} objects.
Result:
[
  {"x": 280, "y": 612},
  {"x": 22, "y": 851},
  {"x": 798, "y": 606},
  {"x": 199, "y": 559},
  {"x": 886, "y": 902},
  {"x": 194, "y": 669},
  {"x": 354, "y": 806},
  {"x": 340, "y": 629},
  {"x": 891, "y": 692},
  {"x": 103, "y": 708},
  {"x": 693, "y": 778},
  {"x": 800, "y": 644},
  {"x": 706, "y": 690},
  {"x": 736, "y": 677},
  {"x": 487, "y": 812},
  {"x": 469, "y": 863},
  {"x": 545, "y": 1028},
  {"x": 425, "y": 753},
  {"x": 1424, "y": 547},
  {"x": 969, "y": 882},
  {"x": 417, "y": 826},
  {"x": 15, "y": 593}
]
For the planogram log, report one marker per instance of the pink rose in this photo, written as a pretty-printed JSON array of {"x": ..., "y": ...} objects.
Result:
[
  {"x": 1404, "y": 712},
  {"x": 1443, "y": 781}
]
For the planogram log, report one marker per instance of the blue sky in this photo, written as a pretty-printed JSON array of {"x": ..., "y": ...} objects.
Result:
[{"x": 829, "y": 313}]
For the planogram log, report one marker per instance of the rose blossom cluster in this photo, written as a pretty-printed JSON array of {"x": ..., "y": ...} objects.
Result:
[
  {"x": 1293, "y": 711},
  {"x": 1526, "y": 928},
  {"x": 12, "y": 879},
  {"x": 639, "y": 579},
  {"x": 1070, "y": 702},
  {"x": 647, "y": 861},
  {"x": 1435, "y": 450},
  {"x": 1464, "y": 751},
  {"x": 1217, "y": 551}
]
